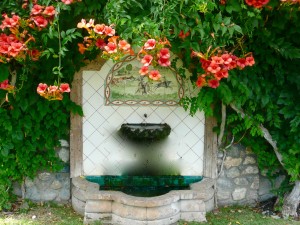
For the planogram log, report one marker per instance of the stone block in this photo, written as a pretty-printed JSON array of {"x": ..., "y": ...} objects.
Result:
[
  {"x": 203, "y": 195},
  {"x": 192, "y": 206},
  {"x": 241, "y": 181},
  {"x": 80, "y": 183},
  {"x": 45, "y": 176},
  {"x": 232, "y": 162},
  {"x": 279, "y": 180},
  {"x": 78, "y": 206},
  {"x": 239, "y": 194},
  {"x": 33, "y": 194},
  {"x": 193, "y": 216},
  {"x": 64, "y": 143},
  {"x": 233, "y": 172},
  {"x": 130, "y": 212},
  {"x": 165, "y": 199},
  {"x": 204, "y": 184},
  {"x": 56, "y": 185},
  {"x": 162, "y": 212},
  {"x": 235, "y": 151},
  {"x": 224, "y": 183},
  {"x": 118, "y": 220},
  {"x": 250, "y": 170},
  {"x": 252, "y": 196},
  {"x": 220, "y": 154},
  {"x": 64, "y": 154},
  {"x": 65, "y": 194},
  {"x": 223, "y": 194},
  {"x": 49, "y": 195},
  {"x": 92, "y": 217},
  {"x": 98, "y": 206},
  {"x": 255, "y": 183},
  {"x": 249, "y": 160},
  {"x": 79, "y": 193},
  {"x": 168, "y": 221},
  {"x": 29, "y": 182},
  {"x": 209, "y": 205}
]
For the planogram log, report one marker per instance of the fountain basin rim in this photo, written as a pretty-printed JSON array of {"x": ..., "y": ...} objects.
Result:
[{"x": 145, "y": 131}]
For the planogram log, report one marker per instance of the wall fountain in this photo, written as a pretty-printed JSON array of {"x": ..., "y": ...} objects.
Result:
[{"x": 142, "y": 155}]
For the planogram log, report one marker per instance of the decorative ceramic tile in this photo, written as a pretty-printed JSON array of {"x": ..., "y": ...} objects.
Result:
[{"x": 124, "y": 85}]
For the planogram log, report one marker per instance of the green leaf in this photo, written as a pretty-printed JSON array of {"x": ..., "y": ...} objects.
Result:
[
  {"x": 6, "y": 147},
  {"x": 216, "y": 27},
  {"x": 62, "y": 34},
  {"x": 227, "y": 21},
  {"x": 17, "y": 135},
  {"x": 4, "y": 72},
  {"x": 69, "y": 31},
  {"x": 224, "y": 30},
  {"x": 238, "y": 29},
  {"x": 225, "y": 93}
]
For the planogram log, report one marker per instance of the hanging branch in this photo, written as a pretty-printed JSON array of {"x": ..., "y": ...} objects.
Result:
[{"x": 265, "y": 132}]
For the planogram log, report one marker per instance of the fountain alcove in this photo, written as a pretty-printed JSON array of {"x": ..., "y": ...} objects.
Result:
[{"x": 105, "y": 162}]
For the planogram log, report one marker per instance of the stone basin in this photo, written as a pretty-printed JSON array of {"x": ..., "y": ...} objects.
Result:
[{"x": 145, "y": 131}]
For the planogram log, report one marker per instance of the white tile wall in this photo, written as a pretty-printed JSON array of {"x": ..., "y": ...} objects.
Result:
[{"x": 105, "y": 152}]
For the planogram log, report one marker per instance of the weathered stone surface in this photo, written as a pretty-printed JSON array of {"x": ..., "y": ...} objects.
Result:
[
  {"x": 239, "y": 194},
  {"x": 209, "y": 205},
  {"x": 235, "y": 151},
  {"x": 48, "y": 195},
  {"x": 98, "y": 206},
  {"x": 89, "y": 218},
  {"x": 163, "y": 212},
  {"x": 79, "y": 194},
  {"x": 56, "y": 185},
  {"x": 202, "y": 185},
  {"x": 64, "y": 154},
  {"x": 64, "y": 143},
  {"x": 224, "y": 183},
  {"x": 192, "y": 206},
  {"x": 250, "y": 170},
  {"x": 80, "y": 182},
  {"x": 231, "y": 162},
  {"x": 255, "y": 183},
  {"x": 279, "y": 180},
  {"x": 65, "y": 194},
  {"x": 241, "y": 181},
  {"x": 223, "y": 194},
  {"x": 249, "y": 160},
  {"x": 29, "y": 182},
  {"x": 193, "y": 216},
  {"x": 117, "y": 220},
  {"x": 130, "y": 212},
  {"x": 220, "y": 154},
  {"x": 222, "y": 173},
  {"x": 252, "y": 195},
  {"x": 78, "y": 206},
  {"x": 45, "y": 176},
  {"x": 233, "y": 172},
  {"x": 265, "y": 188}
]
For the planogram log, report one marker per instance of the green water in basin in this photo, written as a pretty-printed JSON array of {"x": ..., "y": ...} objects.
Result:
[{"x": 144, "y": 186}]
